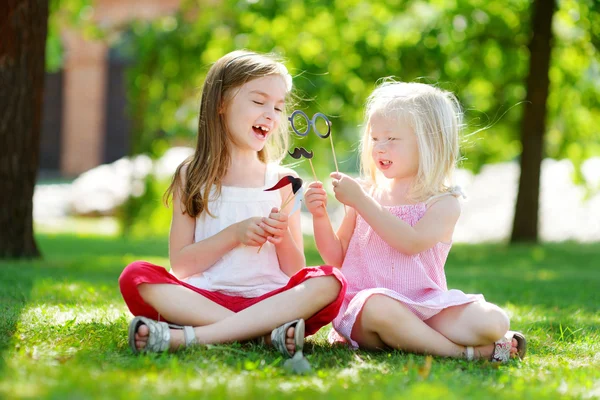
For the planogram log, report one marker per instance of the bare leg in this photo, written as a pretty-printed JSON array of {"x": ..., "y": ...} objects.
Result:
[
  {"x": 181, "y": 305},
  {"x": 474, "y": 324},
  {"x": 385, "y": 322},
  {"x": 302, "y": 301}
]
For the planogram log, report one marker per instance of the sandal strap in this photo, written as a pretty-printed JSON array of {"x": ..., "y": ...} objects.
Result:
[
  {"x": 502, "y": 350},
  {"x": 469, "y": 353},
  {"x": 159, "y": 335},
  {"x": 190, "y": 336},
  {"x": 521, "y": 343},
  {"x": 279, "y": 335}
]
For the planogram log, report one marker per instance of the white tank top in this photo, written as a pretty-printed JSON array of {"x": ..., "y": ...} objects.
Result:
[{"x": 242, "y": 271}]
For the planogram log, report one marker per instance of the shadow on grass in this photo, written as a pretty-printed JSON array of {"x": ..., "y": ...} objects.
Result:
[
  {"x": 15, "y": 292},
  {"x": 74, "y": 270}
]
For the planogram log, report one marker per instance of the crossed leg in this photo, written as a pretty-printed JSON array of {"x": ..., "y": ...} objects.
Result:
[
  {"x": 215, "y": 324},
  {"x": 385, "y": 322}
]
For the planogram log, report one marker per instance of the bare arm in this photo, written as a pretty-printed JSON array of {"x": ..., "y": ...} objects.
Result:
[
  {"x": 332, "y": 246},
  {"x": 437, "y": 225}
]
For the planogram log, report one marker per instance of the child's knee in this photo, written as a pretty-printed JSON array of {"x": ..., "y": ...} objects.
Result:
[
  {"x": 326, "y": 288},
  {"x": 127, "y": 278},
  {"x": 496, "y": 323},
  {"x": 380, "y": 310},
  {"x": 332, "y": 285}
]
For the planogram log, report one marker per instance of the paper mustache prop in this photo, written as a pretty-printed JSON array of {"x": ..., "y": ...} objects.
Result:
[
  {"x": 313, "y": 123},
  {"x": 287, "y": 180},
  {"x": 300, "y": 152}
]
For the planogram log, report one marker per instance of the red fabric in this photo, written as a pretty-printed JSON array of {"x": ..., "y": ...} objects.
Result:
[{"x": 140, "y": 272}]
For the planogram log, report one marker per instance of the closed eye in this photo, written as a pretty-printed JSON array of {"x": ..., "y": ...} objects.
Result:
[{"x": 258, "y": 102}]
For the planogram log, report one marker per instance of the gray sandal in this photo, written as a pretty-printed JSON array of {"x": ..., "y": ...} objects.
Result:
[
  {"x": 297, "y": 363},
  {"x": 159, "y": 335},
  {"x": 279, "y": 336}
]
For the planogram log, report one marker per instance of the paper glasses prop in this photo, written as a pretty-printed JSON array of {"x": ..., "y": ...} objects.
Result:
[
  {"x": 313, "y": 123},
  {"x": 297, "y": 193}
]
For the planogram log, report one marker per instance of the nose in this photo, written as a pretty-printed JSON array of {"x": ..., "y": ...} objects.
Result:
[
  {"x": 379, "y": 147},
  {"x": 270, "y": 115}
]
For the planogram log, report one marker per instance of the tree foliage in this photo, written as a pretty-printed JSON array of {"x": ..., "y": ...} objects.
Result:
[{"x": 338, "y": 50}]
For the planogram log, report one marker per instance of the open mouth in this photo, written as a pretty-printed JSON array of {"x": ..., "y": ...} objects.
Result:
[
  {"x": 260, "y": 131},
  {"x": 385, "y": 164}
]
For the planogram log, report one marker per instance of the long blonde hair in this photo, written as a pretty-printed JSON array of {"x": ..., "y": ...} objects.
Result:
[
  {"x": 435, "y": 116},
  {"x": 208, "y": 165}
]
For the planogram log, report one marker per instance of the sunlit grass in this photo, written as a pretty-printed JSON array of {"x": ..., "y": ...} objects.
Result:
[{"x": 63, "y": 334}]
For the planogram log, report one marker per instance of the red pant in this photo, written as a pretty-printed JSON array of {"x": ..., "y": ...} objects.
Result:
[{"x": 144, "y": 272}]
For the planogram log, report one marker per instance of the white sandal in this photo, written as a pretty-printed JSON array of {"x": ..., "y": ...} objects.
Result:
[
  {"x": 159, "y": 335},
  {"x": 502, "y": 348}
]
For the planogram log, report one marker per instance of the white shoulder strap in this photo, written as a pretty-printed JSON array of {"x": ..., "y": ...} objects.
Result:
[{"x": 455, "y": 191}]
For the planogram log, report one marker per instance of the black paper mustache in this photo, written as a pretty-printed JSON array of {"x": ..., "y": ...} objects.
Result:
[{"x": 301, "y": 152}]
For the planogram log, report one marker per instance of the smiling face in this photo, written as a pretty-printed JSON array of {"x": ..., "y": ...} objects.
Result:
[
  {"x": 253, "y": 111},
  {"x": 394, "y": 146}
]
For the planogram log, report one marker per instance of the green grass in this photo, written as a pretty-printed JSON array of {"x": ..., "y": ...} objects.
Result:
[{"x": 63, "y": 334}]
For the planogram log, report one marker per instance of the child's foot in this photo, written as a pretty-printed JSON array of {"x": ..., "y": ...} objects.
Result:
[
  {"x": 289, "y": 340},
  {"x": 143, "y": 333},
  {"x": 148, "y": 335},
  {"x": 486, "y": 352}
]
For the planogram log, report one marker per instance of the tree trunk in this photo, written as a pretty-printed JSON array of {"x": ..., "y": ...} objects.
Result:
[
  {"x": 533, "y": 127},
  {"x": 23, "y": 30}
]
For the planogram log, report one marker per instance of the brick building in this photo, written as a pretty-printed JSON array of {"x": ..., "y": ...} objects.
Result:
[{"x": 84, "y": 116}]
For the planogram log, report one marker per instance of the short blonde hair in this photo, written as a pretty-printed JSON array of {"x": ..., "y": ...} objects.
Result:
[{"x": 435, "y": 116}]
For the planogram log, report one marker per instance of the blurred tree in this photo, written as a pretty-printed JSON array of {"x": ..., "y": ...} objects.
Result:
[
  {"x": 533, "y": 127},
  {"x": 23, "y": 30},
  {"x": 337, "y": 50}
]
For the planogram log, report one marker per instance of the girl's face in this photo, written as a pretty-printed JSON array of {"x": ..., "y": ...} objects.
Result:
[
  {"x": 394, "y": 147},
  {"x": 254, "y": 112}
]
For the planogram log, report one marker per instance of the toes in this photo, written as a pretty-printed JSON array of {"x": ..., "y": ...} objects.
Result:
[
  {"x": 141, "y": 337},
  {"x": 290, "y": 332},
  {"x": 142, "y": 331}
]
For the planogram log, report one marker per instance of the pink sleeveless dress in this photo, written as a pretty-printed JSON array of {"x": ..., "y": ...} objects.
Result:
[{"x": 373, "y": 267}]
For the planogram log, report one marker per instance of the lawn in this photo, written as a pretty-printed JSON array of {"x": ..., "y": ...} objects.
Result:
[{"x": 63, "y": 334}]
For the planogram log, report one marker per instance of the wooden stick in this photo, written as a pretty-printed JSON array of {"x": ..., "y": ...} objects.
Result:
[
  {"x": 333, "y": 151},
  {"x": 287, "y": 200},
  {"x": 285, "y": 203},
  {"x": 313, "y": 169},
  {"x": 336, "y": 165}
]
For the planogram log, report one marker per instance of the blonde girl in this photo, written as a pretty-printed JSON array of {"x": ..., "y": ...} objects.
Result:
[{"x": 394, "y": 240}]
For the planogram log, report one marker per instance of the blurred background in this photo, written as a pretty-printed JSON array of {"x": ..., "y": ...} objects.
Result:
[{"x": 123, "y": 82}]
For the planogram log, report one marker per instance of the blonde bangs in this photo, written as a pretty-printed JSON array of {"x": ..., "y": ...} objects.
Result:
[{"x": 435, "y": 116}]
